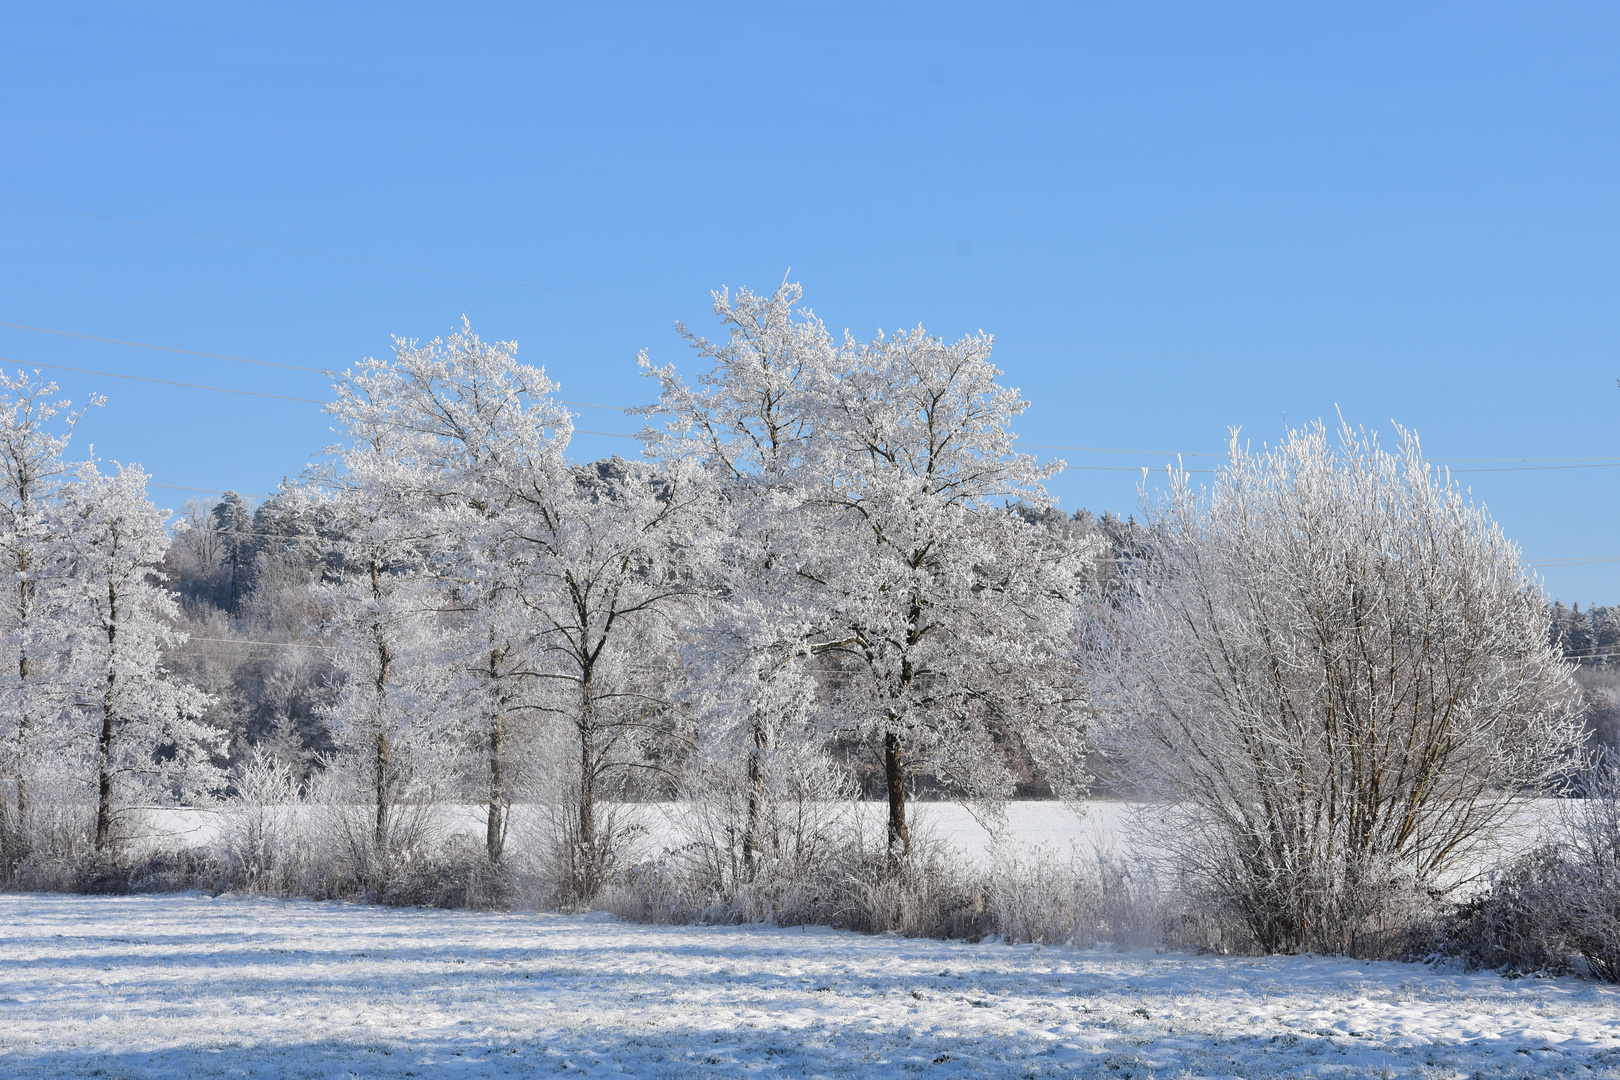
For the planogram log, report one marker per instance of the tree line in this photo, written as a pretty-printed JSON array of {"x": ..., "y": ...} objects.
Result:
[{"x": 831, "y": 571}]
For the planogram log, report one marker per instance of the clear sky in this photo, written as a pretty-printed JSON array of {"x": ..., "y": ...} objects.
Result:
[{"x": 1176, "y": 219}]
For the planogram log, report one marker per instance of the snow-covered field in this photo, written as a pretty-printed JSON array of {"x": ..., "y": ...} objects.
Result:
[
  {"x": 1026, "y": 823},
  {"x": 188, "y": 986}
]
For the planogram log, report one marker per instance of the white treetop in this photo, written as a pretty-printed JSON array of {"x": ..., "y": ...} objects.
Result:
[{"x": 866, "y": 486}]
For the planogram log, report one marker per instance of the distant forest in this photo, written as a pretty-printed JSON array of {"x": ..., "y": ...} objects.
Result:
[{"x": 1590, "y": 638}]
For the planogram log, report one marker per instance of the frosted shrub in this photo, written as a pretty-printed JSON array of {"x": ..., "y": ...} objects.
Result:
[
  {"x": 1334, "y": 669},
  {"x": 852, "y": 879},
  {"x": 756, "y": 842},
  {"x": 263, "y": 843},
  {"x": 1085, "y": 898},
  {"x": 1556, "y": 909},
  {"x": 56, "y": 842}
]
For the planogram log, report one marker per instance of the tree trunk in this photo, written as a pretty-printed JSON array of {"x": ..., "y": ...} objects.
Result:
[
  {"x": 756, "y": 796},
  {"x": 382, "y": 790},
  {"x": 104, "y": 836},
  {"x": 894, "y": 775},
  {"x": 496, "y": 814},
  {"x": 23, "y": 724},
  {"x": 586, "y": 867}
]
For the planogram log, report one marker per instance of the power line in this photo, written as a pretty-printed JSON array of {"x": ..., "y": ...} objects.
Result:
[
  {"x": 1541, "y": 468},
  {"x": 687, "y": 307},
  {"x": 224, "y": 356},
  {"x": 166, "y": 348},
  {"x": 1290, "y": 363},
  {"x": 347, "y": 258},
  {"x": 1543, "y": 563},
  {"x": 210, "y": 491},
  {"x": 1110, "y": 450},
  {"x": 162, "y": 382},
  {"x": 1444, "y": 460}
]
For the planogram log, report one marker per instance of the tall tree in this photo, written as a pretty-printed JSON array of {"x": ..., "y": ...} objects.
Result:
[
  {"x": 233, "y": 524},
  {"x": 950, "y": 615},
  {"x": 379, "y": 601},
  {"x": 607, "y": 554},
  {"x": 33, "y": 613},
  {"x": 471, "y": 413},
  {"x": 749, "y": 421},
  {"x": 143, "y": 734}
]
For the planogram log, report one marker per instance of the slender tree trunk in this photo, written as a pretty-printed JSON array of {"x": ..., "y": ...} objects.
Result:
[
  {"x": 385, "y": 659},
  {"x": 588, "y": 857},
  {"x": 382, "y": 789},
  {"x": 104, "y": 803},
  {"x": 756, "y": 795},
  {"x": 104, "y": 746},
  {"x": 14, "y": 832},
  {"x": 894, "y": 776},
  {"x": 24, "y": 723},
  {"x": 495, "y": 819}
]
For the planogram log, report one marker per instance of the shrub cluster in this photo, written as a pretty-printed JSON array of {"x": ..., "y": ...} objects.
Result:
[{"x": 1556, "y": 909}]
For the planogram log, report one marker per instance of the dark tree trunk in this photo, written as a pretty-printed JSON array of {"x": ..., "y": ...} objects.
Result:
[
  {"x": 894, "y": 776},
  {"x": 104, "y": 837},
  {"x": 382, "y": 789},
  {"x": 756, "y": 796},
  {"x": 587, "y": 868},
  {"x": 104, "y": 745},
  {"x": 496, "y": 812}
]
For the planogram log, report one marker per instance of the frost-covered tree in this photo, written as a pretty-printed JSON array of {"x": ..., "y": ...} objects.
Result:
[
  {"x": 476, "y": 420},
  {"x": 949, "y": 615},
  {"x": 138, "y": 730},
  {"x": 233, "y": 525},
  {"x": 1335, "y": 677},
  {"x": 749, "y": 421},
  {"x": 381, "y": 606},
  {"x": 870, "y": 542},
  {"x": 35, "y": 605},
  {"x": 607, "y": 555}
]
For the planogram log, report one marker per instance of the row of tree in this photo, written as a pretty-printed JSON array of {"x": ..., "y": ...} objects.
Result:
[
  {"x": 831, "y": 557},
  {"x": 830, "y": 544}
]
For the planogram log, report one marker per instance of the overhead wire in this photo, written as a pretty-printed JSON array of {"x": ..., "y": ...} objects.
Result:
[
  {"x": 1181, "y": 357},
  {"x": 162, "y": 382},
  {"x": 346, "y": 258},
  {"x": 166, "y": 348}
]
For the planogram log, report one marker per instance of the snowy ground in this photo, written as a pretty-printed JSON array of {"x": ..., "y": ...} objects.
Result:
[
  {"x": 193, "y": 987},
  {"x": 1027, "y": 823},
  {"x": 1101, "y": 824}
]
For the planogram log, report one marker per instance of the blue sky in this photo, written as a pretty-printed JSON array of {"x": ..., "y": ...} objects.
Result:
[{"x": 1176, "y": 219}]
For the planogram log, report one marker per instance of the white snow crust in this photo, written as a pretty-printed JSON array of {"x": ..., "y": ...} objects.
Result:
[{"x": 188, "y": 986}]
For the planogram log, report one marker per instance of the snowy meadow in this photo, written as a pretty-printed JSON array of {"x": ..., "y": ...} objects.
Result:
[{"x": 188, "y": 986}]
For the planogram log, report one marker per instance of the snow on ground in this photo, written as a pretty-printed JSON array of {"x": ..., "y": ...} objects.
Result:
[
  {"x": 187, "y": 986},
  {"x": 1105, "y": 825},
  {"x": 953, "y": 824}
]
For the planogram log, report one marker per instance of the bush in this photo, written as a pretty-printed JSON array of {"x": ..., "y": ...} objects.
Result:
[
  {"x": 855, "y": 882},
  {"x": 1334, "y": 668},
  {"x": 1556, "y": 909}
]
